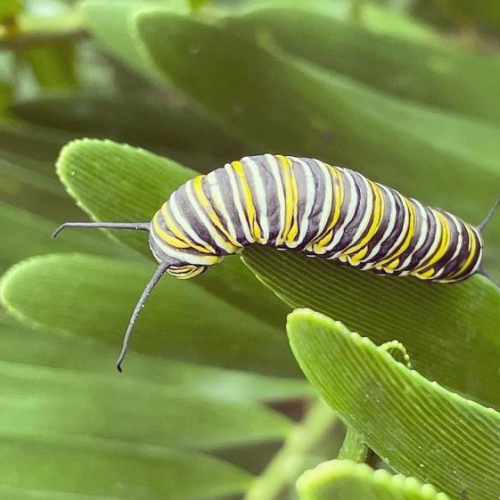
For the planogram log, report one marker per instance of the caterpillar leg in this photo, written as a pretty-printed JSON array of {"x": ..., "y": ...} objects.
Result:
[{"x": 137, "y": 226}]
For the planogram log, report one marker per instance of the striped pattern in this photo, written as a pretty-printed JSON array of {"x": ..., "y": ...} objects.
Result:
[{"x": 309, "y": 206}]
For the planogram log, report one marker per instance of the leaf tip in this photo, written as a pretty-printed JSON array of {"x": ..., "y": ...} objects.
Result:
[{"x": 8, "y": 283}]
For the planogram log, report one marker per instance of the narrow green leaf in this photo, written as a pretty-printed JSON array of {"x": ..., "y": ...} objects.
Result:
[
  {"x": 92, "y": 410},
  {"x": 19, "y": 227},
  {"x": 53, "y": 65},
  {"x": 41, "y": 348},
  {"x": 419, "y": 428},
  {"x": 27, "y": 177},
  {"x": 171, "y": 128},
  {"x": 6, "y": 92},
  {"x": 197, "y": 4},
  {"x": 462, "y": 14},
  {"x": 35, "y": 143},
  {"x": 292, "y": 107},
  {"x": 181, "y": 320},
  {"x": 374, "y": 17},
  {"x": 9, "y": 8},
  {"x": 35, "y": 470},
  {"x": 120, "y": 183},
  {"x": 111, "y": 24},
  {"x": 450, "y": 331},
  {"x": 420, "y": 71},
  {"x": 345, "y": 480}
]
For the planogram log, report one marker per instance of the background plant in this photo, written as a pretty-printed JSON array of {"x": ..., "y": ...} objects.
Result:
[{"x": 213, "y": 403}]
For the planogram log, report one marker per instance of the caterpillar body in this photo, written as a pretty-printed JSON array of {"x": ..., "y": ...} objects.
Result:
[{"x": 308, "y": 206}]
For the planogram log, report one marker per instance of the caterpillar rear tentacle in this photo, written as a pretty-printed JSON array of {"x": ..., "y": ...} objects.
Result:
[{"x": 308, "y": 206}]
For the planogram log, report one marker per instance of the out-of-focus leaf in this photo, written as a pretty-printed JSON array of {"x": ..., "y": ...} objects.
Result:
[
  {"x": 31, "y": 190},
  {"x": 292, "y": 107},
  {"x": 27, "y": 177},
  {"x": 450, "y": 331},
  {"x": 37, "y": 470},
  {"x": 34, "y": 143},
  {"x": 461, "y": 13},
  {"x": 41, "y": 348},
  {"x": 25, "y": 234},
  {"x": 181, "y": 320},
  {"x": 111, "y": 24},
  {"x": 345, "y": 480},
  {"x": 120, "y": 183},
  {"x": 197, "y": 4},
  {"x": 9, "y": 8},
  {"x": 142, "y": 121},
  {"x": 53, "y": 65},
  {"x": 92, "y": 410},
  {"x": 5, "y": 95},
  {"x": 373, "y": 17},
  {"x": 419, "y": 71},
  {"x": 419, "y": 428}
]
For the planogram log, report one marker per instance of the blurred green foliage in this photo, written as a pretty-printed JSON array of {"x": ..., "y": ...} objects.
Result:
[{"x": 405, "y": 91}]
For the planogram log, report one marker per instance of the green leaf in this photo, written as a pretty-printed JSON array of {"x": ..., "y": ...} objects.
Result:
[
  {"x": 174, "y": 129},
  {"x": 53, "y": 65},
  {"x": 181, "y": 320},
  {"x": 398, "y": 351},
  {"x": 345, "y": 480},
  {"x": 120, "y": 183},
  {"x": 34, "y": 143},
  {"x": 462, "y": 14},
  {"x": 42, "y": 348},
  {"x": 111, "y": 24},
  {"x": 89, "y": 410},
  {"x": 410, "y": 69},
  {"x": 9, "y": 8},
  {"x": 6, "y": 92},
  {"x": 19, "y": 226},
  {"x": 197, "y": 4},
  {"x": 450, "y": 331},
  {"x": 35, "y": 470},
  {"x": 374, "y": 17},
  {"x": 419, "y": 428},
  {"x": 27, "y": 177},
  {"x": 292, "y": 107}
]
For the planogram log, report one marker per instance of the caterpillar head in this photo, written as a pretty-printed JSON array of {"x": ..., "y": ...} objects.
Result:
[{"x": 177, "y": 267}]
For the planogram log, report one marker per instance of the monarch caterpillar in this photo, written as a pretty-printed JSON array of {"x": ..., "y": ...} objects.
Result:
[{"x": 308, "y": 206}]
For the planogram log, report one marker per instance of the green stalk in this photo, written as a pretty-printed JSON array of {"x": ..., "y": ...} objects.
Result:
[
  {"x": 286, "y": 465},
  {"x": 353, "y": 447}
]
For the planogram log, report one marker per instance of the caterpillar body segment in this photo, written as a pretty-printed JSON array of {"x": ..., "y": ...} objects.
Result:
[{"x": 309, "y": 206}]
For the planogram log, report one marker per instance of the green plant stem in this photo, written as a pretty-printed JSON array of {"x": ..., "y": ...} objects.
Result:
[
  {"x": 353, "y": 447},
  {"x": 33, "y": 32},
  {"x": 286, "y": 464},
  {"x": 34, "y": 40}
]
